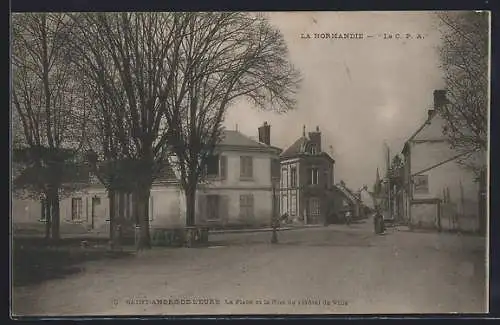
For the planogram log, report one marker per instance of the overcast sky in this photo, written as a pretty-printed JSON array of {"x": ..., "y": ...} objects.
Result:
[{"x": 360, "y": 92}]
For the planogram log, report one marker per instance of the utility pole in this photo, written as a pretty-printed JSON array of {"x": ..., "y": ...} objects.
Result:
[{"x": 388, "y": 175}]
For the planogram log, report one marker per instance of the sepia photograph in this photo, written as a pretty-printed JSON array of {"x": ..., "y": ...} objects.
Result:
[{"x": 249, "y": 163}]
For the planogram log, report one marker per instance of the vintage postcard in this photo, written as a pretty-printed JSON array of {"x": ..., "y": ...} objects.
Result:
[{"x": 249, "y": 163}]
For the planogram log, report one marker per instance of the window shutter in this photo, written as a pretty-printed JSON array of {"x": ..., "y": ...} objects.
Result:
[
  {"x": 309, "y": 176},
  {"x": 242, "y": 206},
  {"x": 242, "y": 167},
  {"x": 87, "y": 209},
  {"x": 224, "y": 208},
  {"x": 223, "y": 167},
  {"x": 250, "y": 167}
]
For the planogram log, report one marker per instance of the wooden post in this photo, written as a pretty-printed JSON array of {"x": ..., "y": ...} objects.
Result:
[{"x": 274, "y": 238}]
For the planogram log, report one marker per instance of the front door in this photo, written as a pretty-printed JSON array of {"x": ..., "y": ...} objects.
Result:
[{"x": 314, "y": 211}]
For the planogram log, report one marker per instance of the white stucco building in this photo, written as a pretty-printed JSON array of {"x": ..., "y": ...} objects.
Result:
[
  {"x": 238, "y": 191},
  {"x": 438, "y": 192}
]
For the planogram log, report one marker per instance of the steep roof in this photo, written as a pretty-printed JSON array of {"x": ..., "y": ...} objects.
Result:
[
  {"x": 298, "y": 147},
  {"x": 232, "y": 138},
  {"x": 347, "y": 192}
]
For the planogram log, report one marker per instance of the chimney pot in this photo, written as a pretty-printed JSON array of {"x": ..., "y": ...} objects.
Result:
[
  {"x": 317, "y": 128},
  {"x": 265, "y": 134}
]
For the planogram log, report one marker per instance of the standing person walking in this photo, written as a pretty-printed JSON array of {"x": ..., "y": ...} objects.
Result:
[{"x": 378, "y": 222}]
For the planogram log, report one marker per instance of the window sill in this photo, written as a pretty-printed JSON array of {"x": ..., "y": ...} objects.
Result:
[{"x": 246, "y": 179}]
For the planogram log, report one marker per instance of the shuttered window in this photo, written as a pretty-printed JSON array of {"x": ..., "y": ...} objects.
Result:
[
  {"x": 246, "y": 206},
  {"x": 212, "y": 202},
  {"x": 223, "y": 167},
  {"x": 246, "y": 167},
  {"x": 76, "y": 208},
  {"x": 212, "y": 167},
  {"x": 313, "y": 176}
]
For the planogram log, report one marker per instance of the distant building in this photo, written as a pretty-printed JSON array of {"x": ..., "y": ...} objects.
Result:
[
  {"x": 437, "y": 192},
  {"x": 345, "y": 200},
  {"x": 307, "y": 178}
]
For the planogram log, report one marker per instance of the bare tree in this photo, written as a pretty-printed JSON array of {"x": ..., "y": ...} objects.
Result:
[
  {"x": 49, "y": 115},
  {"x": 464, "y": 58},
  {"x": 222, "y": 57},
  {"x": 129, "y": 60}
]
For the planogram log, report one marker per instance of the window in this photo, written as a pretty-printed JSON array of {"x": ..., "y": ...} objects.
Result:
[
  {"x": 313, "y": 176},
  {"x": 213, "y": 207},
  {"x": 293, "y": 177},
  {"x": 313, "y": 149},
  {"x": 213, "y": 165},
  {"x": 76, "y": 208},
  {"x": 223, "y": 167},
  {"x": 246, "y": 167},
  {"x": 421, "y": 184},
  {"x": 284, "y": 178},
  {"x": 293, "y": 205},
  {"x": 314, "y": 206},
  {"x": 246, "y": 206}
]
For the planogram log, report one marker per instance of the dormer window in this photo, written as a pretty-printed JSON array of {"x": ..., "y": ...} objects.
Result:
[{"x": 313, "y": 149}]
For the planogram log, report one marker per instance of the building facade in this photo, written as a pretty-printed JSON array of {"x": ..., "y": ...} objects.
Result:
[
  {"x": 237, "y": 191},
  {"x": 306, "y": 182},
  {"x": 437, "y": 192}
]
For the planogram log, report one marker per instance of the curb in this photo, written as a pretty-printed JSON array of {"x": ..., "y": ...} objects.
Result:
[{"x": 229, "y": 231}]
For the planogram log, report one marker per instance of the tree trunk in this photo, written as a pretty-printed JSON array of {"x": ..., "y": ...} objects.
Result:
[
  {"x": 190, "y": 193},
  {"x": 47, "y": 217},
  {"x": 121, "y": 214},
  {"x": 142, "y": 196},
  {"x": 55, "y": 220}
]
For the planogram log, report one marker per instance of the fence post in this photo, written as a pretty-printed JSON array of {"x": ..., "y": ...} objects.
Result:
[{"x": 274, "y": 238}]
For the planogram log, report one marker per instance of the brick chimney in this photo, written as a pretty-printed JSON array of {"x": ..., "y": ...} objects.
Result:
[
  {"x": 316, "y": 138},
  {"x": 265, "y": 134},
  {"x": 439, "y": 101}
]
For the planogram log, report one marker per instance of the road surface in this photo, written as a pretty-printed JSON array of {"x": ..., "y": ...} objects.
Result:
[{"x": 326, "y": 270}]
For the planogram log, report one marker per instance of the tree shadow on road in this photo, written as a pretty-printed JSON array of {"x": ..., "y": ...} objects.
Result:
[{"x": 34, "y": 262}]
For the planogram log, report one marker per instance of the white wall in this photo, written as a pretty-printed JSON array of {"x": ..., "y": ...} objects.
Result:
[
  {"x": 261, "y": 170},
  {"x": 449, "y": 175}
]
